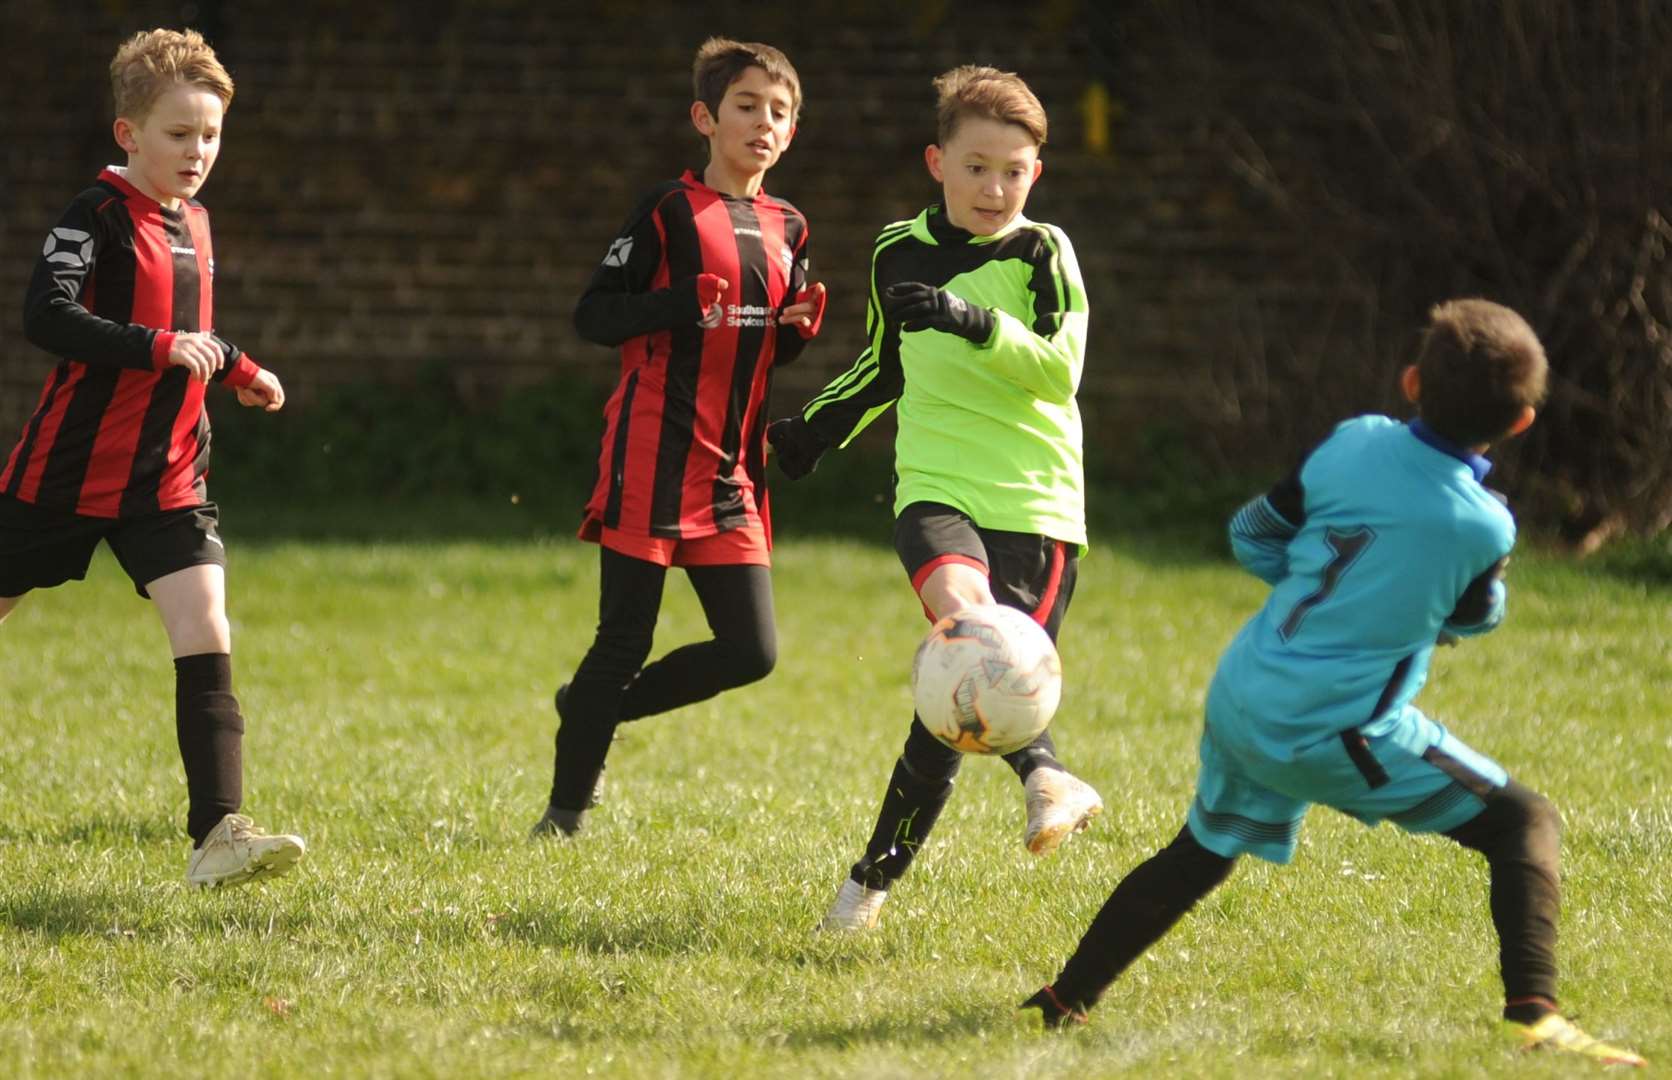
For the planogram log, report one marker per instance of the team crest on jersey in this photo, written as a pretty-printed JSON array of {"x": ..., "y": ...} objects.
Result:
[
  {"x": 620, "y": 251},
  {"x": 68, "y": 247}
]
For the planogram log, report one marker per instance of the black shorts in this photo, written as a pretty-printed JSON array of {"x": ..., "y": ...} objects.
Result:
[
  {"x": 40, "y": 548},
  {"x": 1033, "y": 573}
]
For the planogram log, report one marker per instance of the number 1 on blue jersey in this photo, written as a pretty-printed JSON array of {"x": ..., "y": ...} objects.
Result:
[{"x": 1348, "y": 545}]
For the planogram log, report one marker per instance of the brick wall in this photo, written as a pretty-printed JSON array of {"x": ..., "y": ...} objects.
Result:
[{"x": 409, "y": 184}]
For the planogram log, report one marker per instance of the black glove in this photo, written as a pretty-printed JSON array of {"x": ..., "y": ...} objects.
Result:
[
  {"x": 1476, "y": 602},
  {"x": 916, "y": 306},
  {"x": 796, "y": 446}
]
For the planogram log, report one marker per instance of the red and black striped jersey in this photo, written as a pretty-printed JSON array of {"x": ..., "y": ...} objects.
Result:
[
  {"x": 119, "y": 432},
  {"x": 684, "y": 446}
]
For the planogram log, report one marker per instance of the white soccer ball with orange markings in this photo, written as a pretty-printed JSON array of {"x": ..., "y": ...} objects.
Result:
[{"x": 986, "y": 680}]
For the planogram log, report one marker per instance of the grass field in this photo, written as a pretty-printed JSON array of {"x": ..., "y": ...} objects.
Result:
[{"x": 398, "y": 695}]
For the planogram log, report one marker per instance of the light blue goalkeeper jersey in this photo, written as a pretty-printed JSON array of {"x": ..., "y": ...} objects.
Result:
[{"x": 1381, "y": 541}]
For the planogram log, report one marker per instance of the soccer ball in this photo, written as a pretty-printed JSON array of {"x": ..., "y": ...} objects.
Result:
[{"x": 986, "y": 680}]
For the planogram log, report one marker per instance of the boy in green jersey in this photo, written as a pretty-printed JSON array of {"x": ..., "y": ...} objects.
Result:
[{"x": 977, "y": 326}]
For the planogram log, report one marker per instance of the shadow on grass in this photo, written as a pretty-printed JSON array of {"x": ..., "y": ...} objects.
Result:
[
  {"x": 58, "y": 911},
  {"x": 77, "y": 897},
  {"x": 99, "y": 831},
  {"x": 611, "y": 930},
  {"x": 955, "y": 1025}
]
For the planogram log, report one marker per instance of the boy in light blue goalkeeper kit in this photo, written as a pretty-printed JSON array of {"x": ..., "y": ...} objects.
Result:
[{"x": 1381, "y": 544}]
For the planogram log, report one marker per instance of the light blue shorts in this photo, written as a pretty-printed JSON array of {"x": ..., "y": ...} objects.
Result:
[{"x": 1414, "y": 773}]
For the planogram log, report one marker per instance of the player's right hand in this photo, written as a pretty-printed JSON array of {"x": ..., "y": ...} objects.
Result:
[
  {"x": 796, "y": 446},
  {"x": 198, "y": 354},
  {"x": 264, "y": 392}
]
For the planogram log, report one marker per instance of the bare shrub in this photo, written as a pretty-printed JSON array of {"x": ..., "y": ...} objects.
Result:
[{"x": 1425, "y": 149}]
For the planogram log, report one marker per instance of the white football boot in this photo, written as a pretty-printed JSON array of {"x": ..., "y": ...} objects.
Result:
[
  {"x": 237, "y": 850},
  {"x": 855, "y": 907},
  {"x": 1059, "y": 803}
]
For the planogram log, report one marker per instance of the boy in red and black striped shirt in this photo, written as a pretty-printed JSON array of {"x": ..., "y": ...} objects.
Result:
[
  {"x": 705, "y": 290},
  {"x": 118, "y": 446}
]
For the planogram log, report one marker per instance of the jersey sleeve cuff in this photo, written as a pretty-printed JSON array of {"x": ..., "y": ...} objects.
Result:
[
  {"x": 161, "y": 346},
  {"x": 1008, "y": 330},
  {"x": 243, "y": 372},
  {"x": 820, "y": 298}
]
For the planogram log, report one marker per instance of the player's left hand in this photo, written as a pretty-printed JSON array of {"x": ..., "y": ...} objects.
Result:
[
  {"x": 916, "y": 306},
  {"x": 807, "y": 313},
  {"x": 265, "y": 390},
  {"x": 795, "y": 445}
]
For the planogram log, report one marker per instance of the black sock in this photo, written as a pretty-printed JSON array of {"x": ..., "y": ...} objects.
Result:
[
  {"x": 1041, "y": 753},
  {"x": 210, "y": 730},
  {"x": 586, "y": 712},
  {"x": 910, "y": 807},
  {"x": 629, "y": 597},
  {"x": 1519, "y": 832},
  {"x": 1144, "y": 906},
  {"x": 1528, "y": 1010},
  {"x": 1055, "y": 1012}
]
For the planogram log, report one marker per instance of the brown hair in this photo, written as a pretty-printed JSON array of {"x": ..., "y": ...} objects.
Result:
[
  {"x": 1480, "y": 365},
  {"x": 987, "y": 92},
  {"x": 152, "y": 62},
  {"x": 720, "y": 61}
]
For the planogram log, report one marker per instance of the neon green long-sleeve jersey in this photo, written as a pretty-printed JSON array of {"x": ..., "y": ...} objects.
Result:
[{"x": 992, "y": 429}]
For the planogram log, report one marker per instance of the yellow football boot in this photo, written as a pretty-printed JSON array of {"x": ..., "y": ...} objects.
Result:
[{"x": 1557, "y": 1032}]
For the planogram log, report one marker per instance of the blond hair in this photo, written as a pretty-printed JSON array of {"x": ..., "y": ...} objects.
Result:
[
  {"x": 152, "y": 62},
  {"x": 987, "y": 92},
  {"x": 721, "y": 61}
]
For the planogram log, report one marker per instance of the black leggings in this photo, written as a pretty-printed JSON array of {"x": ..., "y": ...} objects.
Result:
[
  {"x": 1519, "y": 832},
  {"x": 613, "y": 685},
  {"x": 1144, "y": 906}
]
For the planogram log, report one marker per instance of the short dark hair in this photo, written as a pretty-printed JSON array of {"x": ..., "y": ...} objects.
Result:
[
  {"x": 1480, "y": 365},
  {"x": 986, "y": 92},
  {"x": 720, "y": 61}
]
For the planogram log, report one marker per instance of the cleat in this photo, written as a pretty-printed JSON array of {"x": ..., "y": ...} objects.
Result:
[
  {"x": 237, "y": 851},
  {"x": 1053, "y": 1011},
  {"x": 556, "y": 822},
  {"x": 855, "y": 907},
  {"x": 1059, "y": 803},
  {"x": 1556, "y": 1032}
]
